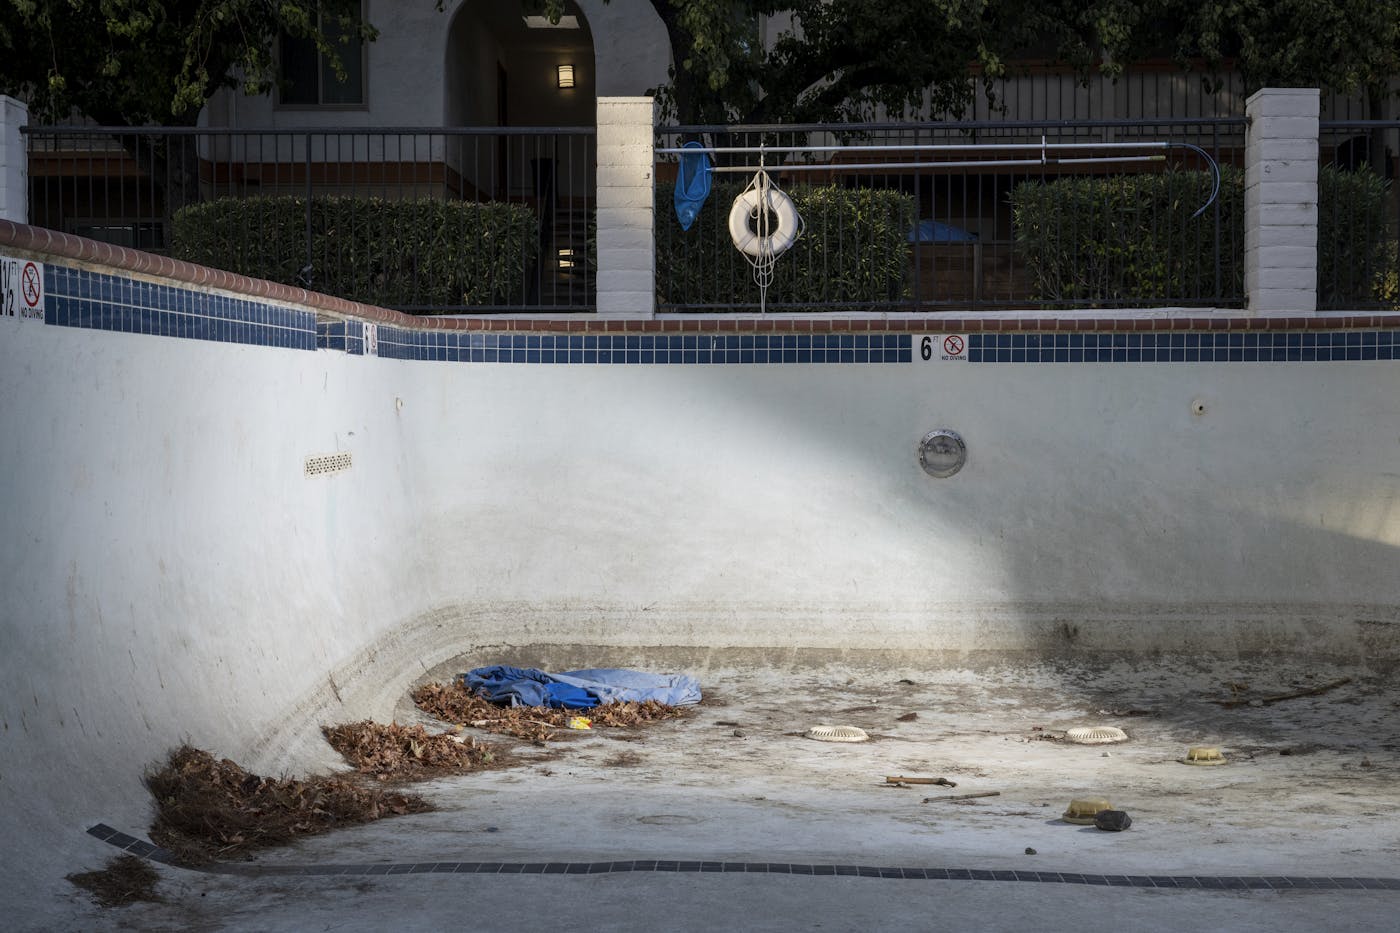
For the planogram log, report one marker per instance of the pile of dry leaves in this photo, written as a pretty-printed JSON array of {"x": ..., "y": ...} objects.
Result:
[
  {"x": 453, "y": 702},
  {"x": 124, "y": 880},
  {"x": 207, "y": 807},
  {"x": 408, "y": 753}
]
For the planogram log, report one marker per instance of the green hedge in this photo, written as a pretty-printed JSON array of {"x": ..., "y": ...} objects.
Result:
[
  {"x": 427, "y": 252},
  {"x": 1131, "y": 240},
  {"x": 853, "y": 252},
  {"x": 1356, "y": 261}
]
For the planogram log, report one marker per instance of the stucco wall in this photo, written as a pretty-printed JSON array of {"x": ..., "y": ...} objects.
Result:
[{"x": 419, "y": 75}]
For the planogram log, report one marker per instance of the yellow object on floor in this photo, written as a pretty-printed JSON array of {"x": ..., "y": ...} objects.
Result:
[{"x": 580, "y": 722}]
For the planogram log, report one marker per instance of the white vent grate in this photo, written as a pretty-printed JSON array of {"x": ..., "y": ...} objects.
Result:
[
  {"x": 837, "y": 734},
  {"x": 327, "y": 464},
  {"x": 1096, "y": 735}
]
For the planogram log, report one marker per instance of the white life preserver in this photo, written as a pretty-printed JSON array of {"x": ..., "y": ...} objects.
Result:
[{"x": 745, "y": 209}]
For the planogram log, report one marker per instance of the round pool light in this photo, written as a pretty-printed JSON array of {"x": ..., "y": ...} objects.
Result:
[{"x": 942, "y": 453}]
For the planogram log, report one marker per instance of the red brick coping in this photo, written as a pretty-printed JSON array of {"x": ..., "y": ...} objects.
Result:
[{"x": 64, "y": 246}]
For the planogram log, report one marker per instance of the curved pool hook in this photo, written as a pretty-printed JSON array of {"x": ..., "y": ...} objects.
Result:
[{"x": 1214, "y": 173}]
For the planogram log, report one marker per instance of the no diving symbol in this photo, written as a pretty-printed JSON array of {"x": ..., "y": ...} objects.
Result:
[
  {"x": 29, "y": 284},
  {"x": 953, "y": 345}
]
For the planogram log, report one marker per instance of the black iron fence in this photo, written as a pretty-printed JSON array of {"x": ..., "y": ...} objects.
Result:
[
  {"x": 442, "y": 220},
  {"x": 950, "y": 216},
  {"x": 1359, "y": 223}
]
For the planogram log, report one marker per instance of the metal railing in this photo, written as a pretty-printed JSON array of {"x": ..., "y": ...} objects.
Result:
[
  {"x": 954, "y": 227},
  {"x": 128, "y": 186},
  {"x": 1358, "y": 243}
]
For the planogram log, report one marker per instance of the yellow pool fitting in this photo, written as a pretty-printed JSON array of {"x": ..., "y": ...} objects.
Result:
[
  {"x": 1082, "y": 810},
  {"x": 1203, "y": 755}
]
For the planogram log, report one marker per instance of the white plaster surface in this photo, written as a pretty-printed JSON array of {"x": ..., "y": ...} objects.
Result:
[{"x": 167, "y": 572}]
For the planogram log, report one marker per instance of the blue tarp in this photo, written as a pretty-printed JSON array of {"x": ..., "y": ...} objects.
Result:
[
  {"x": 931, "y": 231},
  {"x": 692, "y": 184},
  {"x": 527, "y": 686}
]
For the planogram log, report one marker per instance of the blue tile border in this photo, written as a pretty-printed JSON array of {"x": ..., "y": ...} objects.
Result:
[
  {"x": 642, "y": 349},
  {"x": 1187, "y": 347},
  {"x": 101, "y": 301},
  {"x": 347, "y": 336},
  {"x": 87, "y": 298},
  {"x": 145, "y": 849}
]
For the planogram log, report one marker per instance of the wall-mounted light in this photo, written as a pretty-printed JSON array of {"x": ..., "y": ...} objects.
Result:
[{"x": 566, "y": 75}]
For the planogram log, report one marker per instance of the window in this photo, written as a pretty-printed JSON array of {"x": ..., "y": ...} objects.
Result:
[
  {"x": 137, "y": 234},
  {"x": 308, "y": 78}
]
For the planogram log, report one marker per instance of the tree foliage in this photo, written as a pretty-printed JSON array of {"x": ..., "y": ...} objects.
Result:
[
  {"x": 1349, "y": 46},
  {"x": 840, "y": 59},
  {"x": 135, "y": 62},
  {"x": 157, "y": 61}
]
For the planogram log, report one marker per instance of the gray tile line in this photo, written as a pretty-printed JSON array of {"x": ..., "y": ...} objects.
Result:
[{"x": 152, "y": 852}]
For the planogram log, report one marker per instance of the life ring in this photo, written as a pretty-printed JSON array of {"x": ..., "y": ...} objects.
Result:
[{"x": 746, "y": 208}]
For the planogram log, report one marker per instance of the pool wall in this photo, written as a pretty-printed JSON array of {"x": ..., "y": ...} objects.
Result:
[{"x": 235, "y": 511}]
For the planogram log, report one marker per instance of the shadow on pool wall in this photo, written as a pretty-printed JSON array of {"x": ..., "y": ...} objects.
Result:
[{"x": 172, "y": 572}]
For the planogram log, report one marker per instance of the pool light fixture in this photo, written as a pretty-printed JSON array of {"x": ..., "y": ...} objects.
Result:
[{"x": 942, "y": 453}]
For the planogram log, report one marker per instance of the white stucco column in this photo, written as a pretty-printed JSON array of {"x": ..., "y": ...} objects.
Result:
[
  {"x": 1280, "y": 200},
  {"x": 626, "y": 246},
  {"x": 14, "y": 161}
]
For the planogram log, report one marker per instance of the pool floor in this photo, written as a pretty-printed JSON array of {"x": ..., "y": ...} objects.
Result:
[{"x": 681, "y": 824}]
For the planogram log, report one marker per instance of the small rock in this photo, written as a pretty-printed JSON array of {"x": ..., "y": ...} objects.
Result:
[
  {"x": 1108, "y": 754},
  {"x": 1113, "y": 821},
  {"x": 1285, "y": 751},
  {"x": 738, "y": 733},
  {"x": 1256, "y": 703},
  {"x": 1030, "y": 851},
  {"x": 907, "y": 717}
]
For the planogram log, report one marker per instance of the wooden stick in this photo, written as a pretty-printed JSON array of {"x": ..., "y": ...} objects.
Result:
[
  {"x": 988, "y": 793},
  {"x": 900, "y": 779},
  {"x": 478, "y": 723},
  {"x": 1310, "y": 692}
]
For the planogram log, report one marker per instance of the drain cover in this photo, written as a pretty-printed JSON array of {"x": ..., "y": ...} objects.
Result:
[
  {"x": 837, "y": 734},
  {"x": 1096, "y": 735}
]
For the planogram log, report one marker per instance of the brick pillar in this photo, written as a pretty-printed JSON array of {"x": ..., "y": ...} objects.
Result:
[
  {"x": 626, "y": 246},
  {"x": 1280, "y": 200},
  {"x": 14, "y": 162}
]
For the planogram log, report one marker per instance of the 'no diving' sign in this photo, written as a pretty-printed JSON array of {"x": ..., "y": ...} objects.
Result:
[
  {"x": 21, "y": 289},
  {"x": 941, "y": 347}
]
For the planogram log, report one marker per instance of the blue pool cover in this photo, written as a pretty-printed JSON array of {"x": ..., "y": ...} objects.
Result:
[
  {"x": 931, "y": 231},
  {"x": 527, "y": 686}
]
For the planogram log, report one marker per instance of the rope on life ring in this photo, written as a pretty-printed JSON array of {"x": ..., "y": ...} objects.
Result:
[
  {"x": 744, "y": 215},
  {"x": 763, "y": 223}
]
